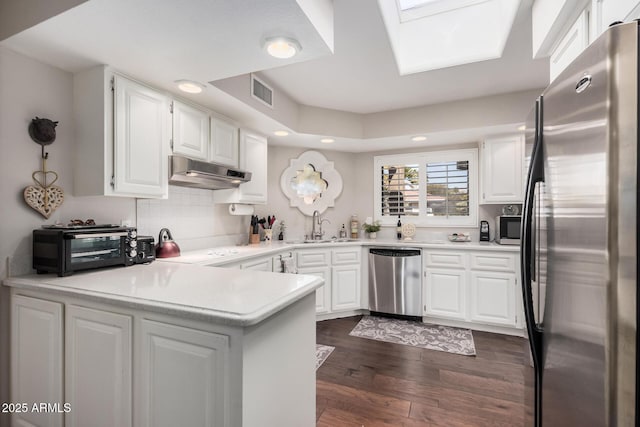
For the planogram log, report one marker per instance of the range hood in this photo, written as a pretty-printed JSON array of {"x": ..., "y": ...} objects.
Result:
[{"x": 187, "y": 172}]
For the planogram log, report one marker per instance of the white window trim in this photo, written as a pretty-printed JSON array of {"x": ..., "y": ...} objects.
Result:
[{"x": 422, "y": 220}]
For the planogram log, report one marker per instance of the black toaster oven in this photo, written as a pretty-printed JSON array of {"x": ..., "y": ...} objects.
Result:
[{"x": 63, "y": 250}]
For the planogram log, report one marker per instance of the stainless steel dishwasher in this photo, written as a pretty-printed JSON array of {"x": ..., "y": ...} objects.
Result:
[{"x": 395, "y": 282}]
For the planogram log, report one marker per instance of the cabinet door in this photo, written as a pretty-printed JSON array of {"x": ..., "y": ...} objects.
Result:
[
  {"x": 224, "y": 143},
  {"x": 98, "y": 367},
  {"x": 190, "y": 131},
  {"x": 262, "y": 264},
  {"x": 253, "y": 158},
  {"x": 36, "y": 359},
  {"x": 445, "y": 293},
  {"x": 493, "y": 298},
  {"x": 494, "y": 261},
  {"x": 350, "y": 255},
  {"x": 323, "y": 294},
  {"x": 313, "y": 258},
  {"x": 571, "y": 45},
  {"x": 345, "y": 287},
  {"x": 141, "y": 140},
  {"x": 502, "y": 176},
  {"x": 183, "y": 377}
]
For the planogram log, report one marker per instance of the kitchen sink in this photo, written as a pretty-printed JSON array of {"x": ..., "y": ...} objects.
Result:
[{"x": 330, "y": 241}]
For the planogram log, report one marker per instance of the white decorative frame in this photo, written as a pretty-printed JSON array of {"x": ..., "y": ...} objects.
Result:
[{"x": 320, "y": 164}]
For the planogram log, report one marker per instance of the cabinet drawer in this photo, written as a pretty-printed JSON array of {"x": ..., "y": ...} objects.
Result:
[
  {"x": 445, "y": 259},
  {"x": 345, "y": 256},
  {"x": 493, "y": 262},
  {"x": 313, "y": 258}
]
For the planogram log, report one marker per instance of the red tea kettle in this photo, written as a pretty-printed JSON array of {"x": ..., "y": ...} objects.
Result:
[{"x": 166, "y": 247}]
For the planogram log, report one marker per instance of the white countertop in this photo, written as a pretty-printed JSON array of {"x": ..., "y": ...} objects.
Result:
[
  {"x": 228, "y": 254},
  {"x": 226, "y": 296},
  {"x": 189, "y": 285}
]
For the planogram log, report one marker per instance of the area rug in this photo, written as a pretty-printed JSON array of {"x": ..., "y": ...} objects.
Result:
[
  {"x": 322, "y": 352},
  {"x": 432, "y": 337}
]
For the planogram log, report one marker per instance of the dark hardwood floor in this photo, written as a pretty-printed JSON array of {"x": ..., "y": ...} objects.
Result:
[{"x": 374, "y": 384}]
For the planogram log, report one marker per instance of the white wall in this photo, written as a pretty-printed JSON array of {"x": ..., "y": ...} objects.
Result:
[
  {"x": 356, "y": 170},
  {"x": 194, "y": 220},
  {"x": 298, "y": 224},
  {"x": 27, "y": 89}
]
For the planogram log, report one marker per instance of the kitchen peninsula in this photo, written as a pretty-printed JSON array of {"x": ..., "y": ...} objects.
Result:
[{"x": 165, "y": 344}]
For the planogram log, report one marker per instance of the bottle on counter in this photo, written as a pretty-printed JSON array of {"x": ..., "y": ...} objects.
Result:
[
  {"x": 343, "y": 232},
  {"x": 399, "y": 229},
  {"x": 354, "y": 226},
  {"x": 282, "y": 228}
]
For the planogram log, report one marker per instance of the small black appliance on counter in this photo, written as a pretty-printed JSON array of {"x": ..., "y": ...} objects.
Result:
[
  {"x": 146, "y": 249},
  {"x": 484, "y": 231},
  {"x": 65, "y": 249}
]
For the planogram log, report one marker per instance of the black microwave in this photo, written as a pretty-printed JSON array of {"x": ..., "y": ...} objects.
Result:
[
  {"x": 508, "y": 229},
  {"x": 63, "y": 250}
]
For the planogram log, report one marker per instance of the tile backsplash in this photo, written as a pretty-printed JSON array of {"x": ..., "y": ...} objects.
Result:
[{"x": 194, "y": 220}]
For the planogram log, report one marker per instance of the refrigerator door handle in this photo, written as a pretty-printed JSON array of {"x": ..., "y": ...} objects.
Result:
[{"x": 535, "y": 175}]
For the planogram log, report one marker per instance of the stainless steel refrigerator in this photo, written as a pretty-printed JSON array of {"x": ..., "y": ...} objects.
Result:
[{"x": 579, "y": 239}]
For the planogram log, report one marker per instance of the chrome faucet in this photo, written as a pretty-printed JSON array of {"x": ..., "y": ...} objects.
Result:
[{"x": 316, "y": 234}]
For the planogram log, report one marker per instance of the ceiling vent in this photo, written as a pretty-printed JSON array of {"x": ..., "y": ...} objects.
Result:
[{"x": 261, "y": 91}]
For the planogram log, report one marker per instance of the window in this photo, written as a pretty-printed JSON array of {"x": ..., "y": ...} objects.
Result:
[
  {"x": 429, "y": 189},
  {"x": 416, "y": 9}
]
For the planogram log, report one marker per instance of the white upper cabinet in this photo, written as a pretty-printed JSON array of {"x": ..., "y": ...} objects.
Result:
[
  {"x": 190, "y": 131},
  {"x": 502, "y": 163},
  {"x": 122, "y": 135},
  {"x": 140, "y": 140},
  {"x": 253, "y": 158},
  {"x": 224, "y": 143},
  {"x": 570, "y": 46},
  {"x": 562, "y": 29}
]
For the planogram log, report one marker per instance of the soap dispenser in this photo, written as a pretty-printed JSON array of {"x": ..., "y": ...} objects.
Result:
[{"x": 343, "y": 232}]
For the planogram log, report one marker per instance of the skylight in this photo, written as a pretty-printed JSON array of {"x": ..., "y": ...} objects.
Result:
[
  {"x": 433, "y": 34},
  {"x": 416, "y": 9}
]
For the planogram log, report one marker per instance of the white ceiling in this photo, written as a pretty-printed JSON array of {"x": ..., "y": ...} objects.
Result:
[
  {"x": 159, "y": 41},
  {"x": 361, "y": 76}
]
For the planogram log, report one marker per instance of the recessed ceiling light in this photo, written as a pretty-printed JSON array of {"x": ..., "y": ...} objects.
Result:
[
  {"x": 190, "y": 86},
  {"x": 282, "y": 47},
  {"x": 327, "y": 140},
  {"x": 281, "y": 133},
  {"x": 419, "y": 138}
]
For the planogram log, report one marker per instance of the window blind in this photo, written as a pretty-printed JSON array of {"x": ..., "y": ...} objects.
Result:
[
  {"x": 448, "y": 188},
  {"x": 399, "y": 190}
]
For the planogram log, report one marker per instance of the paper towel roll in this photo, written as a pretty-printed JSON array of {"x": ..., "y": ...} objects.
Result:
[{"x": 235, "y": 209}]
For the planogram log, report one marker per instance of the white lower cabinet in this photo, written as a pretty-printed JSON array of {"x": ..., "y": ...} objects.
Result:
[
  {"x": 345, "y": 287},
  {"x": 493, "y": 297},
  {"x": 323, "y": 294},
  {"x": 98, "y": 358},
  {"x": 260, "y": 264},
  {"x": 445, "y": 294},
  {"x": 183, "y": 376},
  {"x": 36, "y": 360},
  {"x": 472, "y": 287},
  {"x": 340, "y": 267}
]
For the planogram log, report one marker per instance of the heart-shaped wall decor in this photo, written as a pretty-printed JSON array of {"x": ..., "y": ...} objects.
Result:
[{"x": 44, "y": 200}]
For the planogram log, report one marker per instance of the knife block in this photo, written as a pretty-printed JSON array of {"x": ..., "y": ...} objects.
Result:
[{"x": 253, "y": 238}]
